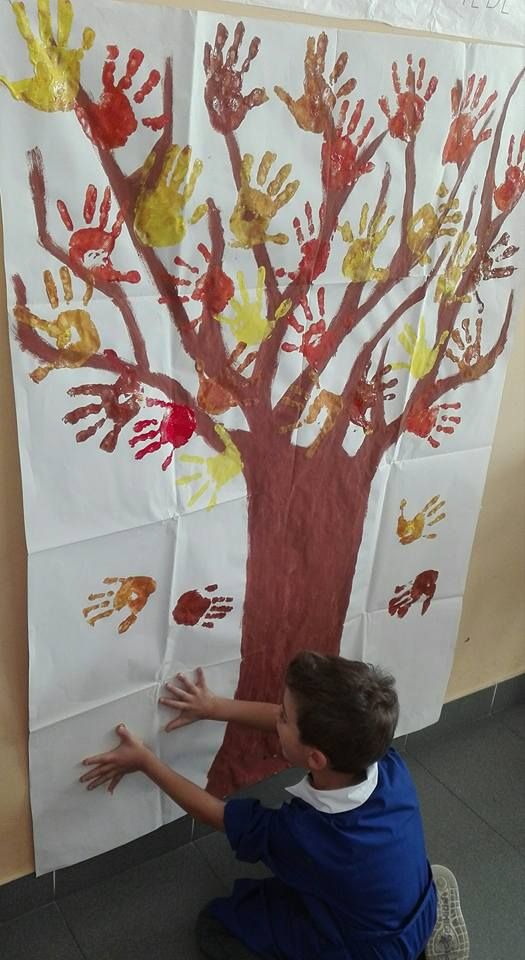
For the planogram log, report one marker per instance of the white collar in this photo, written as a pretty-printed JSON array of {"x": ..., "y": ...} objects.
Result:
[{"x": 337, "y": 801}]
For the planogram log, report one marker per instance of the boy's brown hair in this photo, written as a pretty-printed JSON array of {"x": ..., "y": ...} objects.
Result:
[{"x": 347, "y": 709}]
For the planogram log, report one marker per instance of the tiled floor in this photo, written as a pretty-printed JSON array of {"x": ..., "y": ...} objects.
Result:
[{"x": 471, "y": 781}]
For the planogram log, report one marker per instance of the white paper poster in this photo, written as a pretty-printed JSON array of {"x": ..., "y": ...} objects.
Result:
[
  {"x": 500, "y": 21},
  {"x": 260, "y": 310}
]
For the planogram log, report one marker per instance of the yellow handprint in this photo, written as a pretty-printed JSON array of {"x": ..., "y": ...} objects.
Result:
[
  {"x": 221, "y": 468},
  {"x": 249, "y": 323},
  {"x": 159, "y": 211},
  {"x": 410, "y": 530},
  {"x": 457, "y": 263},
  {"x": 56, "y": 79},
  {"x": 358, "y": 264},
  {"x": 70, "y": 353},
  {"x": 428, "y": 224},
  {"x": 422, "y": 355},
  {"x": 255, "y": 209}
]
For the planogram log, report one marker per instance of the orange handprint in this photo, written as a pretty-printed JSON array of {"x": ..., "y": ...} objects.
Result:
[
  {"x": 406, "y": 121},
  {"x": 313, "y": 110},
  {"x": 255, "y": 209},
  {"x": 408, "y": 531},
  {"x": 461, "y": 142},
  {"x": 71, "y": 352},
  {"x": 223, "y": 96},
  {"x": 110, "y": 121},
  {"x": 91, "y": 247},
  {"x": 340, "y": 167},
  {"x": 133, "y": 592},
  {"x": 509, "y": 192}
]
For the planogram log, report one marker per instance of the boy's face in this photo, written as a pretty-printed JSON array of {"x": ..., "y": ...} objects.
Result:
[{"x": 293, "y": 750}]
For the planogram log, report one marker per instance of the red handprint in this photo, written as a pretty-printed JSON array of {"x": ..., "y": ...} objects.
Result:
[
  {"x": 314, "y": 341},
  {"x": 424, "y": 585},
  {"x": 461, "y": 142},
  {"x": 119, "y": 403},
  {"x": 176, "y": 428},
  {"x": 192, "y": 607},
  {"x": 213, "y": 288},
  {"x": 110, "y": 121},
  {"x": 406, "y": 121},
  {"x": 339, "y": 154},
  {"x": 314, "y": 252},
  {"x": 223, "y": 96},
  {"x": 422, "y": 420},
  {"x": 91, "y": 247},
  {"x": 509, "y": 192}
]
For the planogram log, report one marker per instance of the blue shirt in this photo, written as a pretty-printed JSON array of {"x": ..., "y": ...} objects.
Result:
[{"x": 354, "y": 885}]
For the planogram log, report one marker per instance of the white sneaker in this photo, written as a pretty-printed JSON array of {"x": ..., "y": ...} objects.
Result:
[{"x": 449, "y": 940}]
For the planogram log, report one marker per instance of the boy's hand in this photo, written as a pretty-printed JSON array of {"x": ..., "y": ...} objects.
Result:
[
  {"x": 194, "y": 700},
  {"x": 130, "y": 756}
]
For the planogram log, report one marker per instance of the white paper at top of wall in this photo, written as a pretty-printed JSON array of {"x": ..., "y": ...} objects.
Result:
[{"x": 496, "y": 20}]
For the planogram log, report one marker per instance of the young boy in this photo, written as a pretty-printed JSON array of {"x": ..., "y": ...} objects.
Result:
[{"x": 351, "y": 876}]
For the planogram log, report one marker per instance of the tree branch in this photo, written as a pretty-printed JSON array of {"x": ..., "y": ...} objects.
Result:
[
  {"x": 490, "y": 176},
  {"x": 30, "y": 341},
  {"x": 111, "y": 290},
  {"x": 126, "y": 189}
]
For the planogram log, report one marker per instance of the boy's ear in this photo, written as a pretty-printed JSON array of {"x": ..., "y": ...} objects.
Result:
[{"x": 317, "y": 760}]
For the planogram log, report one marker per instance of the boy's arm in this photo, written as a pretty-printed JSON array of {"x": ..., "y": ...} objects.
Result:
[
  {"x": 194, "y": 701},
  {"x": 131, "y": 756},
  {"x": 195, "y": 801}
]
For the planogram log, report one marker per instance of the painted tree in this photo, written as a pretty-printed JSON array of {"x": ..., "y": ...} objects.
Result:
[{"x": 299, "y": 573}]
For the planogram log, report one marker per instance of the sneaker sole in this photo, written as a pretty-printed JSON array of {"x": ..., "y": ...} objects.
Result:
[{"x": 449, "y": 940}]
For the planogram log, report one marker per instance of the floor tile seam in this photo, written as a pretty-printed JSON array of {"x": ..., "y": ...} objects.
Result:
[
  {"x": 457, "y": 726},
  {"x": 474, "y": 812},
  {"x": 521, "y": 736},
  {"x": 222, "y": 881},
  {"x": 26, "y": 913},
  {"x": 71, "y": 931}
]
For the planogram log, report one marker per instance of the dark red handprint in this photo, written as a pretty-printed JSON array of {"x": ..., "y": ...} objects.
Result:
[
  {"x": 461, "y": 141},
  {"x": 177, "y": 426},
  {"x": 421, "y": 420},
  {"x": 110, "y": 121},
  {"x": 423, "y": 587},
  {"x": 509, "y": 192},
  {"x": 368, "y": 393},
  {"x": 91, "y": 247},
  {"x": 213, "y": 288},
  {"x": 498, "y": 253},
  {"x": 212, "y": 397},
  {"x": 118, "y": 403},
  {"x": 340, "y": 166},
  {"x": 223, "y": 96},
  {"x": 406, "y": 121},
  {"x": 192, "y": 608}
]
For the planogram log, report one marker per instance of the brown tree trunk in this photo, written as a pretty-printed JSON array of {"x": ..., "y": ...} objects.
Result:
[{"x": 305, "y": 523}]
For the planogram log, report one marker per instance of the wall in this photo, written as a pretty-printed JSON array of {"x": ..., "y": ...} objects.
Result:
[{"x": 491, "y": 645}]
